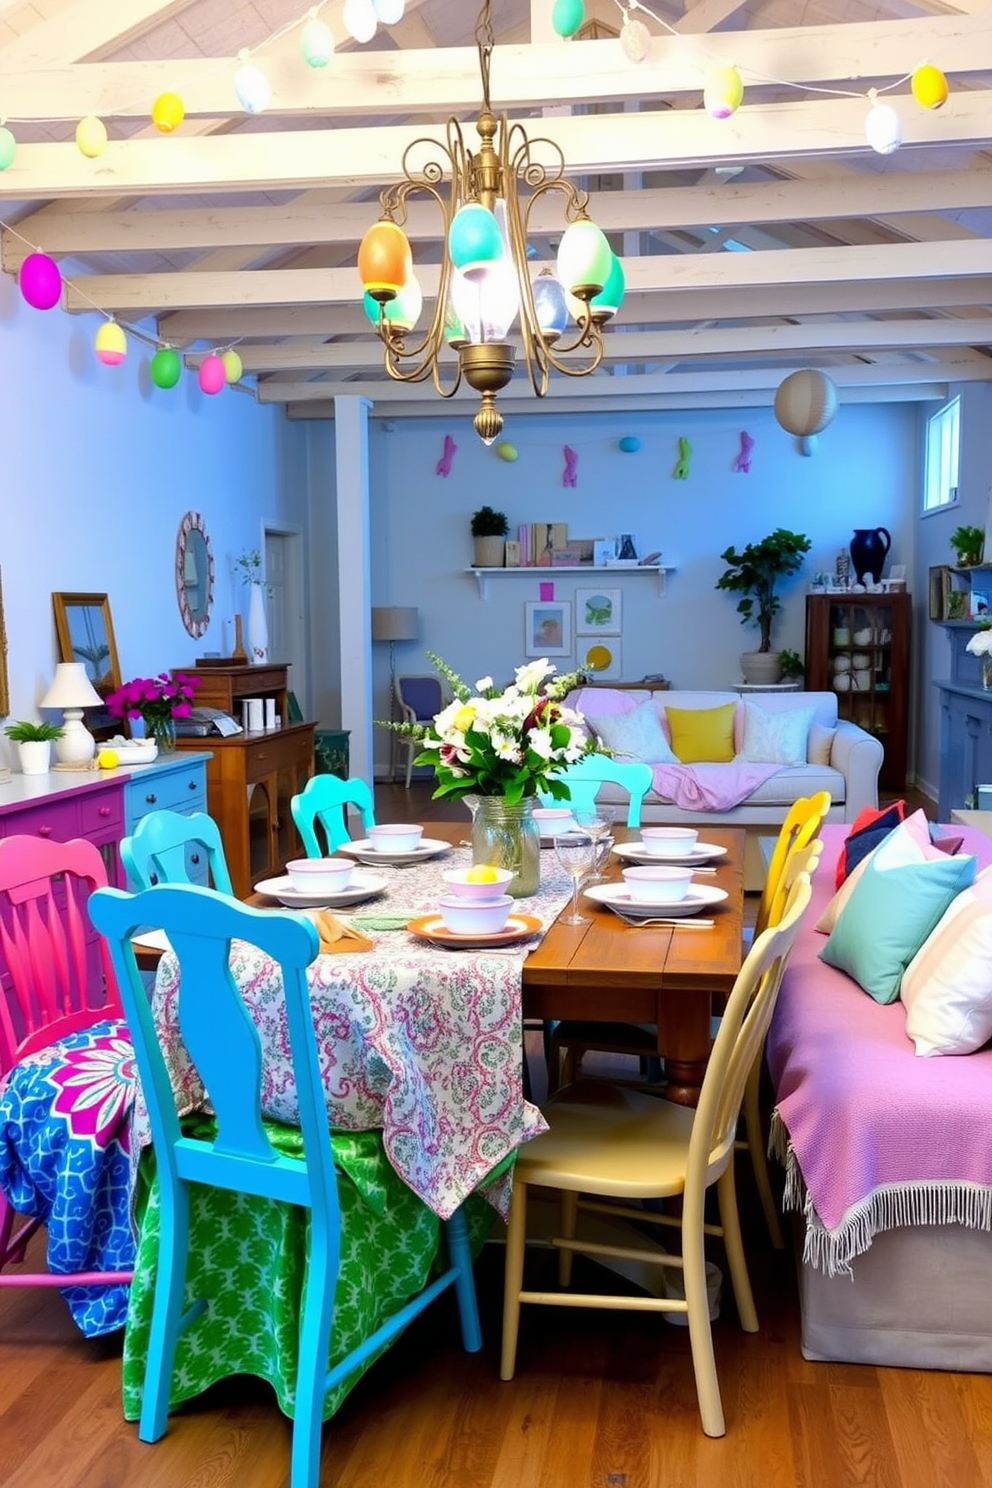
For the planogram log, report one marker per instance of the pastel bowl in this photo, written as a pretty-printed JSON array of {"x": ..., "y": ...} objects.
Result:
[
  {"x": 657, "y": 885},
  {"x": 553, "y": 819},
  {"x": 395, "y": 837},
  {"x": 668, "y": 842},
  {"x": 320, "y": 875},
  {"x": 459, "y": 886},
  {"x": 474, "y": 916}
]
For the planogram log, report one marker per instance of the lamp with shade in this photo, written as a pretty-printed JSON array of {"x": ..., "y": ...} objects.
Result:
[
  {"x": 72, "y": 691},
  {"x": 394, "y": 623}
]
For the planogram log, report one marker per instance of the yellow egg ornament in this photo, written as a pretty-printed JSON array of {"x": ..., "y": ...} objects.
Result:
[
  {"x": 91, "y": 136},
  {"x": 232, "y": 365},
  {"x": 723, "y": 93},
  {"x": 168, "y": 112},
  {"x": 107, "y": 759},
  {"x": 929, "y": 87}
]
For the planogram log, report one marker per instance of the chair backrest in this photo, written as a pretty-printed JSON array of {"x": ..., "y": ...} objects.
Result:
[
  {"x": 589, "y": 773},
  {"x": 224, "y": 1044},
  {"x": 323, "y": 801},
  {"x": 163, "y": 847},
  {"x": 802, "y": 822},
  {"x": 420, "y": 698},
  {"x": 739, "y": 1043},
  {"x": 57, "y": 973}
]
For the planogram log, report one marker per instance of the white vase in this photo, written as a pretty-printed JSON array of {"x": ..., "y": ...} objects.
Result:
[
  {"x": 35, "y": 756},
  {"x": 258, "y": 630}
]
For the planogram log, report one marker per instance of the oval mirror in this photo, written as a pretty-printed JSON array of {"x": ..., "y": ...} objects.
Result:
[{"x": 194, "y": 573}]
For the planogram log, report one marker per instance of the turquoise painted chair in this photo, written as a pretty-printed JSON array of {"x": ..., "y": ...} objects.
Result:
[
  {"x": 323, "y": 802},
  {"x": 168, "y": 847},
  {"x": 585, "y": 777},
  {"x": 225, "y": 1047}
]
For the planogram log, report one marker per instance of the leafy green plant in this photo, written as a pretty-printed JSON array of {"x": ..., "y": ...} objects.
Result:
[
  {"x": 486, "y": 522},
  {"x": 791, "y": 664},
  {"x": 754, "y": 573},
  {"x": 968, "y": 544},
  {"x": 249, "y": 566},
  {"x": 27, "y": 732}
]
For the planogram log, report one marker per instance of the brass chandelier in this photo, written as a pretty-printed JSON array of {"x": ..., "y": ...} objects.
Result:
[{"x": 486, "y": 204}]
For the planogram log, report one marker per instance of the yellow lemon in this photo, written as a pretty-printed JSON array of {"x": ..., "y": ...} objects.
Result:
[
  {"x": 107, "y": 759},
  {"x": 481, "y": 873}
]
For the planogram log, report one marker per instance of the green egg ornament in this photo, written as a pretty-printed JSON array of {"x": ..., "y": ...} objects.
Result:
[
  {"x": 8, "y": 148},
  {"x": 165, "y": 367},
  {"x": 568, "y": 16},
  {"x": 507, "y": 452}
]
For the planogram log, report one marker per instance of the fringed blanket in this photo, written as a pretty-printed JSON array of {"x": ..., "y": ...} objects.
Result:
[
  {"x": 710, "y": 787},
  {"x": 872, "y": 1136}
]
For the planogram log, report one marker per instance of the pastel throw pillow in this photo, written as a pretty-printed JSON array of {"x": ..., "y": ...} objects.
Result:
[
  {"x": 870, "y": 827},
  {"x": 638, "y": 734},
  {"x": 701, "y": 735},
  {"x": 947, "y": 987},
  {"x": 776, "y": 738},
  {"x": 889, "y": 915},
  {"x": 819, "y": 744},
  {"x": 909, "y": 842}
]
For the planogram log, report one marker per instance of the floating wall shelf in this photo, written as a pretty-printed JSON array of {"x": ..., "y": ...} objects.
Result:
[{"x": 597, "y": 574}]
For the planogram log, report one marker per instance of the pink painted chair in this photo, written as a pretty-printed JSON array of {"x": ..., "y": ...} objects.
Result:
[{"x": 56, "y": 980}]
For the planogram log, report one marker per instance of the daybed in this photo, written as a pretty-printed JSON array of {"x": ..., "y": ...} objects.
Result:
[
  {"x": 839, "y": 757},
  {"x": 888, "y": 1160}
]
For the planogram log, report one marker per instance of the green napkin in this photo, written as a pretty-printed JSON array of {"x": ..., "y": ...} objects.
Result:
[{"x": 395, "y": 920}]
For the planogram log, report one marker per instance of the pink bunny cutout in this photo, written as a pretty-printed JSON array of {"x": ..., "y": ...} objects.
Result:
[
  {"x": 743, "y": 461},
  {"x": 570, "y": 477},
  {"x": 443, "y": 466}
]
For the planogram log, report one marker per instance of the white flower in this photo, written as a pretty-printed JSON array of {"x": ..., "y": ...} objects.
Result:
[
  {"x": 980, "y": 643},
  {"x": 530, "y": 676},
  {"x": 483, "y": 684},
  {"x": 540, "y": 742}
]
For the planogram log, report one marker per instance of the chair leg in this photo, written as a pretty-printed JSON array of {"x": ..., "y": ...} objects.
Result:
[
  {"x": 568, "y": 1221},
  {"x": 461, "y": 1260},
  {"x": 513, "y": 1278},
  {"x": 734, "y": 1246},
  {"x": 700, "y": 1329},
  {"x": 167, "y": 1313},
  {"x": 316, "y": 1318},
  {"x": 759, "y": 1161}
]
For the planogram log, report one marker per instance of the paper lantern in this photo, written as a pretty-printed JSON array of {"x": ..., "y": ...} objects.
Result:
[
  {"x": 507, "y": 452},
  {"x": 630, "y": 444},
  {"x": 251, "y": 87},
  {"x": 165, "y": 367},
  {"x": 212, "y": 376},
  {"x": 805, "y": 402},
  {"x": 723, "y": 92},
  {"x": 929, "y": 87},
  {"x": 110, "y": 344},
  {"x": 91, "y": 136},
  {"x": 168, "y": 112},
  {"x": 384, "y": 260},
  {"x": 40, "y": 281},
  {"x": 568, "y": 16},
  {"x": 8, "y": 148},
  {"x": 883, "y": 130},
  {"x": 635, "y": 40},
  {"x": 232, "y": 365}
]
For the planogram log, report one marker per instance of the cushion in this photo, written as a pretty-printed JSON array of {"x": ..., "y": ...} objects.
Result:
[
  {"x": 870, "y": 827},
  {"x": 775, "y": 738},
  {"x": 909, "y": 842},
  {"x": 702, "y": 734},
  {"x": 947, "y": 987},
  {"x": 638, "y": 733},
  {"x": 819, "y": 744},
  {"x": 890, "y": 913}
]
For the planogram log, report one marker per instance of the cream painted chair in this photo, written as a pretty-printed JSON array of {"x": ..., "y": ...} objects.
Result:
[{"x": 621, "y": 1146}]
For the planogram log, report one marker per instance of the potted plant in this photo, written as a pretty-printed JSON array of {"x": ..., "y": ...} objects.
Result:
[
  {"x": 753, "y": 573},
  {"x": 790, "y": 666},
  {"x": 489, "y": 528},
  {"x": 34, "y": 744},
  {"x": 968, "y": 544}
]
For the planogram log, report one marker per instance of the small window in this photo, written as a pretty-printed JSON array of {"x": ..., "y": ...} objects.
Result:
[{"x": 940, "y": 485}]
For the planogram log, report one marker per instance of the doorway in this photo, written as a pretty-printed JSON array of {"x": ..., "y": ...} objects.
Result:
[{"x": 286, "y": 607}]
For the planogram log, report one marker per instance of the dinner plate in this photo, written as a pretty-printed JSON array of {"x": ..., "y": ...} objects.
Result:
[
  {"x": 432, "y": 928},
  {"x": 618, "y": 896},
  {"x": 362, "y": 886},
  {"x": 703, "y": 852},
  {"x": 430, "y": 847}
]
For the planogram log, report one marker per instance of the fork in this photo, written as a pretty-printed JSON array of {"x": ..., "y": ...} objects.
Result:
[{"x": 682, "y": 922}]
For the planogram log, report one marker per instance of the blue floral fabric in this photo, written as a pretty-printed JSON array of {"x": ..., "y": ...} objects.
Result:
[{"x": 65, "y": 1158}]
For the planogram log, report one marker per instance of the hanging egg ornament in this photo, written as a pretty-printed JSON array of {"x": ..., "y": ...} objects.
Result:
[
  {"x": 360, "y": 20},
  {"x": 883, "y": 130},
  {"x": 723, "y": 93},
  {"x": 232, "y": 365},
  {"x": 110, "y": 344},
  {"x": 630, "y": 444},
  {"x": 568, "y": 16},
  {"x": 165, "y": 367},
  {"x": 251, "y": 87},
  {"x": 385, "y": 261},
  {"x": 507, "y": 452},
  {"x": 389, "y": 12},
  {"x": 168, "y": 112},
  {"x": 91, "y": 136},
  {"x": 40, "y": 281},
  {"x": 8, "y": 148},
  {"x": 602, "y": 306},
  {"x": 212, "y": 377},
  {"x": 635, "y": 40},
  {"x": 929, "y": 87},
  {"x": 316, "y": 43}
]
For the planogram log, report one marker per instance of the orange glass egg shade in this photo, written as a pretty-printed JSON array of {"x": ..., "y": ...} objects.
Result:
[{"x": 384, "y": 260}]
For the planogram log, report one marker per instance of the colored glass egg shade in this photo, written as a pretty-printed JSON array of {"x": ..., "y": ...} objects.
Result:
[
  {"x": 165, "y": 367},
  {"x": 40, "y": 281},
  {"x": 168, "y": 112},
  {"x": 605, "y": 304},
  {"x": 549, "y": 302},
  {"x": 384, "y": 260},
  {"x": 403, "y": 312},
  {"x": 584, "y": 257},
  {"x": 110, "y": 344},
  {"x": 474, "y": 239}
]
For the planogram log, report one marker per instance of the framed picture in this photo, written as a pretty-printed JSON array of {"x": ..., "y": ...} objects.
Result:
[
  {"x": 978, "y": 605},
  {"x": 548, "y": 627},
  {"x": 601, "y": 659},
  {"x": 940, "y": 583},
  {"x": 86, "y": 633},
  {"x": 603, "y": 549},
  {"x": 598, "y": 611}
]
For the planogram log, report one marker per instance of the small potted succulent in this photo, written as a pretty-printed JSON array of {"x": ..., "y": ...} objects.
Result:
[
  {"x": 489, "y": 529},
  {"x": 34, "y": 744}
]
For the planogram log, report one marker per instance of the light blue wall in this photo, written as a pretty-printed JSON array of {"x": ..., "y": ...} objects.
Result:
[{"x": 98, "y": 469}]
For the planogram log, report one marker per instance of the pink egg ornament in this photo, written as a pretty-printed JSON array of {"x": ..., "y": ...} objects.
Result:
[
  {"x": 212, "y": 376},
  {"x": 40, "y": 281}
]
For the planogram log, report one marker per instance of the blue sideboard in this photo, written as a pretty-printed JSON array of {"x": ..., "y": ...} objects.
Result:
[
  {"x": 176, "y": 782},
  {"x": 965, "y": 726}
]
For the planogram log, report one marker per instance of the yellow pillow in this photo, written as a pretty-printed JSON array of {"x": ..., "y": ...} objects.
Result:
[{"x": 703, "y": 734}]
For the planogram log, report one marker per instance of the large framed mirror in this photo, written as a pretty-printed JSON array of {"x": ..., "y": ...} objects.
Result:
[
  {"x": 194, "y": 573},
  {"x": 86, "y": 633}
]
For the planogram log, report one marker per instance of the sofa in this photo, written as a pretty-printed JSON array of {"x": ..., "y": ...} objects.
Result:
[
  {"x": 887, "y": 1155},
  {"x": 835, "y": 755}
]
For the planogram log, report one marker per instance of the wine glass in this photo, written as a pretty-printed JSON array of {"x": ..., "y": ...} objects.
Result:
[
  {"x": 597, "y": 821},
  {"x": 575, "y": 853}
]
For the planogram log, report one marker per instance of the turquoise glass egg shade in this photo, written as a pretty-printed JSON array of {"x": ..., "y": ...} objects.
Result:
[
  {"x": 474, "y": 239},
  {"x": 605, "y": 304},
  {"x": 403, "y": 312}
]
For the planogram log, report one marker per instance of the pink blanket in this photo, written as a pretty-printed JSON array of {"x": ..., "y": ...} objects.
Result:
[
  {"x": 872, "y": 1136},
  {"x": 710, "y": 787}
]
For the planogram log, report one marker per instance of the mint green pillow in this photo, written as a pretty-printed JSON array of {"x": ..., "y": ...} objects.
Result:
[{"x": 889, "y": 915}]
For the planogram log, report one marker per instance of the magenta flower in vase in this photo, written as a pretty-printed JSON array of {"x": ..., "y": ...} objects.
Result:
[{"x": 158, "y": 702}]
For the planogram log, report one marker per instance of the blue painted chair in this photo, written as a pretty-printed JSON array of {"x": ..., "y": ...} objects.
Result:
[
  {"x": 585, "y": 777},
  {"x": 225, "y": 1047},
  {"x": 322, "y": 802},
  {"x": 168, "y": 847}
]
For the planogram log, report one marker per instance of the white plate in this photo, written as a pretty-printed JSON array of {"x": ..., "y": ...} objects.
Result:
[
  {"x": 618, "y": 896},
  {"x": 362, "y": 886},
  {"x": 430, "y": 847},
  {"x": 703, "y": 852}
]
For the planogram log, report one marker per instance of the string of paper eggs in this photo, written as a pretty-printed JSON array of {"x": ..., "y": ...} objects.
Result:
[{"x": 723, "y": 90}]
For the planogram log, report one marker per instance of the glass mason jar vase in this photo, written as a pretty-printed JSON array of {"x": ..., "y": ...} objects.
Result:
[
  {"x": 509, "y": 837},
  {"x": 163, "y": 731}
]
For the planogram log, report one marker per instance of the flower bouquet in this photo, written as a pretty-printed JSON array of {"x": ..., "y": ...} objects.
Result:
[
  {"x": 980, "y": 645},
  {"x": 158, "y": 701}
]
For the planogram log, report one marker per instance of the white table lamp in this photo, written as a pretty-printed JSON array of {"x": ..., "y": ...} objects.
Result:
[{"x": 72, "y": 691}]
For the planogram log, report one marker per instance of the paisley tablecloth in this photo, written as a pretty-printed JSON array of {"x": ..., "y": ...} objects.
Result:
[{"x": 422, "y": 1043}]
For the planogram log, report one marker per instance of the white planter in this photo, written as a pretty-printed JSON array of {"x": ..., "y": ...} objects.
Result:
[
  {"x": 258, "y": 629},
  {"x": 761, "y": 668},
  {"x": 35, "y": 756}
]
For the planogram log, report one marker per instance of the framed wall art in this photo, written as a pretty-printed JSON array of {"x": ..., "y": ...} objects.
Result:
[
  {"x": 598, "y": 612},
  {"x": 601, "y": 659},
  {"x": 548, "y": 628}
]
